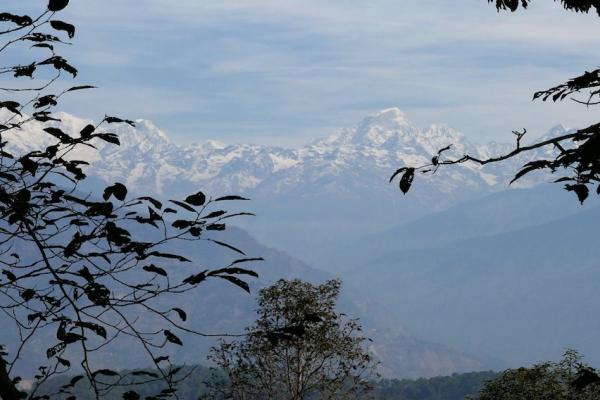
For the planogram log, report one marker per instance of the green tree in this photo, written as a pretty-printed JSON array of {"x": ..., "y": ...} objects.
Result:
[
  {"x": 84, "y": 269},
  {"x": 577, "y": 154},
  {"x": 552, "y": 381},
  {"x": 298, "y": 348}
]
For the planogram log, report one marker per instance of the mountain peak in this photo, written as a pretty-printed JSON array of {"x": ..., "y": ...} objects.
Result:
[{"x": 388, "y": 118}]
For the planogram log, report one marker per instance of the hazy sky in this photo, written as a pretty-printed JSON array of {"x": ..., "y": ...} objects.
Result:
[{"x": 286, "y": 72}]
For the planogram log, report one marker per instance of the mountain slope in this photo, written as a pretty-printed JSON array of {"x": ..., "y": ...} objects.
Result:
[
  {"x": 525, "y": 295},
  {"x": 496, "y": 213}
]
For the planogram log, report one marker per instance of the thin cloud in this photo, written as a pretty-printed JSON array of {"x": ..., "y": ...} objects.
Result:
[{"x": 254, "y": 70}]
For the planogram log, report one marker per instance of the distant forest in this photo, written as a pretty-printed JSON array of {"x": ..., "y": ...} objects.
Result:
[{"x": 455, "y": 387}]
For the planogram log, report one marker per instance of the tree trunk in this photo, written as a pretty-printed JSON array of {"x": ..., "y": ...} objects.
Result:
[{"x": 8, "y": 390}]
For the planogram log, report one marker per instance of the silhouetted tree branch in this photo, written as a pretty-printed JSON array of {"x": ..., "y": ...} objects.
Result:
[
  {"x": 578, "y": 153},
  {"x": 86, "y": 266}
]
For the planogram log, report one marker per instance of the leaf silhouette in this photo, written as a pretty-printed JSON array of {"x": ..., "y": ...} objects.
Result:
[
  {"x": 182, "y": 315},
  {"x": 63, "y": 26},
  {"x": 21, "y": 20},
  {"x": 118, "y": 190},
  {"x": 407, "y": 179},
  {"x": 228, "y": 246},
  {"x": 197, "y": 199},
  {"x": 155, "y": 269},
  {"x": 113, "y": 120},
  {"x": 172, "y": 338},
  {"x": 236, "y": 281},
  {"x": 226, "y": 198},
  {"x": 57, "y": 5}
]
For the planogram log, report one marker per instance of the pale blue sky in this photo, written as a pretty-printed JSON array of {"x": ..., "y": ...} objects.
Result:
[{"x": 285, "y": 72}]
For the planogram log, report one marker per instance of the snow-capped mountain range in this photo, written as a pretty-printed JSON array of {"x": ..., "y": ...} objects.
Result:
[
  {"x": 309, "y": 200},
  {"x": 350, "y": 162}
]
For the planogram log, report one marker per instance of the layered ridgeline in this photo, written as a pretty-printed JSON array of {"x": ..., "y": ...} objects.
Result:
[
  {"x": 311, "y": 198},
  {"x": 217, "y": 307},
  {"x": 514, "y": 275}
]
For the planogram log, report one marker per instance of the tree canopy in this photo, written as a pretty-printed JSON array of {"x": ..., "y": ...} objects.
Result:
[
  {"x": 298, "y": 348},
  {"x": 568, "y": 379}
]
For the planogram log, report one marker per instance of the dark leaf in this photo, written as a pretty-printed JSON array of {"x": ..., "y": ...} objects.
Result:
[
  {"x": 172, "y": 338},
  {"x": 398, "y": 172},
  {"x": 63, "y": 26},
  {"x": 113, "y": 120},
  {"x": 64, "y": 362},
  {"x": 28, "y": 294},
  {"x": 7, "y": 176},
  {"x": 244, "y": 260},
  {"x": 58, "y": 62},
  {"x": 234, "y": 271},
  {"x": 118, "y": 190},
  {"x": 182, "y": 205},
  {"x": 154, "y": 202},
  {"x": 182, "y": 315},
  {"x": 11, "y": 277},
  {"x": 236, "y": 281},
  {"x": 226, "y": 198},
  {"x": 97, "y": 329},
  {"x": 197, "y": 199},
  {"x": 181, "y": 224},
  {"x": 87, "y": 131},
  {"x": 215, "y": 214},
  {"x": 531, "y": 166},
  {"x": 11, "y": 106},
  {"x": 196, "y": 279},
  {"x": 82, "y": 87},
  {"x": 45, "y": 101},
  {"x": 153, "y": 268},
  {"x": 228, "y": 246},
  {"x": 168, "y": 255},
  {"x": 59, "y": 134},
  {"x": 580, "y": 190},
  {"x": 26, "y": 70},
  {"x": 21, "y": 20},
  {"x": 57, "y": 5},
  {"x": 108, "y": 137},
  {"x": 44, "y": 45},
  {"x": 406, "y": 180},
  {"x": 52, "y": 351},
  {"x": 195, "y": 231}
]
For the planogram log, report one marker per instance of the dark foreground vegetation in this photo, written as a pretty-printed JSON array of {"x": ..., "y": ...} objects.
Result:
[{"x": 454, "y": 387}]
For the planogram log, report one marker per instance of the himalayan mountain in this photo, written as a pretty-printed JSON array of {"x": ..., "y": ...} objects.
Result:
[{"x": 308, "y": 200}]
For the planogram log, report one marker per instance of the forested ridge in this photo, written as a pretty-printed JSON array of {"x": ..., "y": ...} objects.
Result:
[{"x": 454, "y": 387}]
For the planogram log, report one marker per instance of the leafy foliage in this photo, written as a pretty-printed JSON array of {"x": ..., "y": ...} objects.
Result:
[
  {"x": 298, "y": 348},
  {"x": 70, "y": 262},
  {"x": 574, "y": 5},
  {"x": 577, "y": 154},
  {"x": 568, "y": 379}
]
